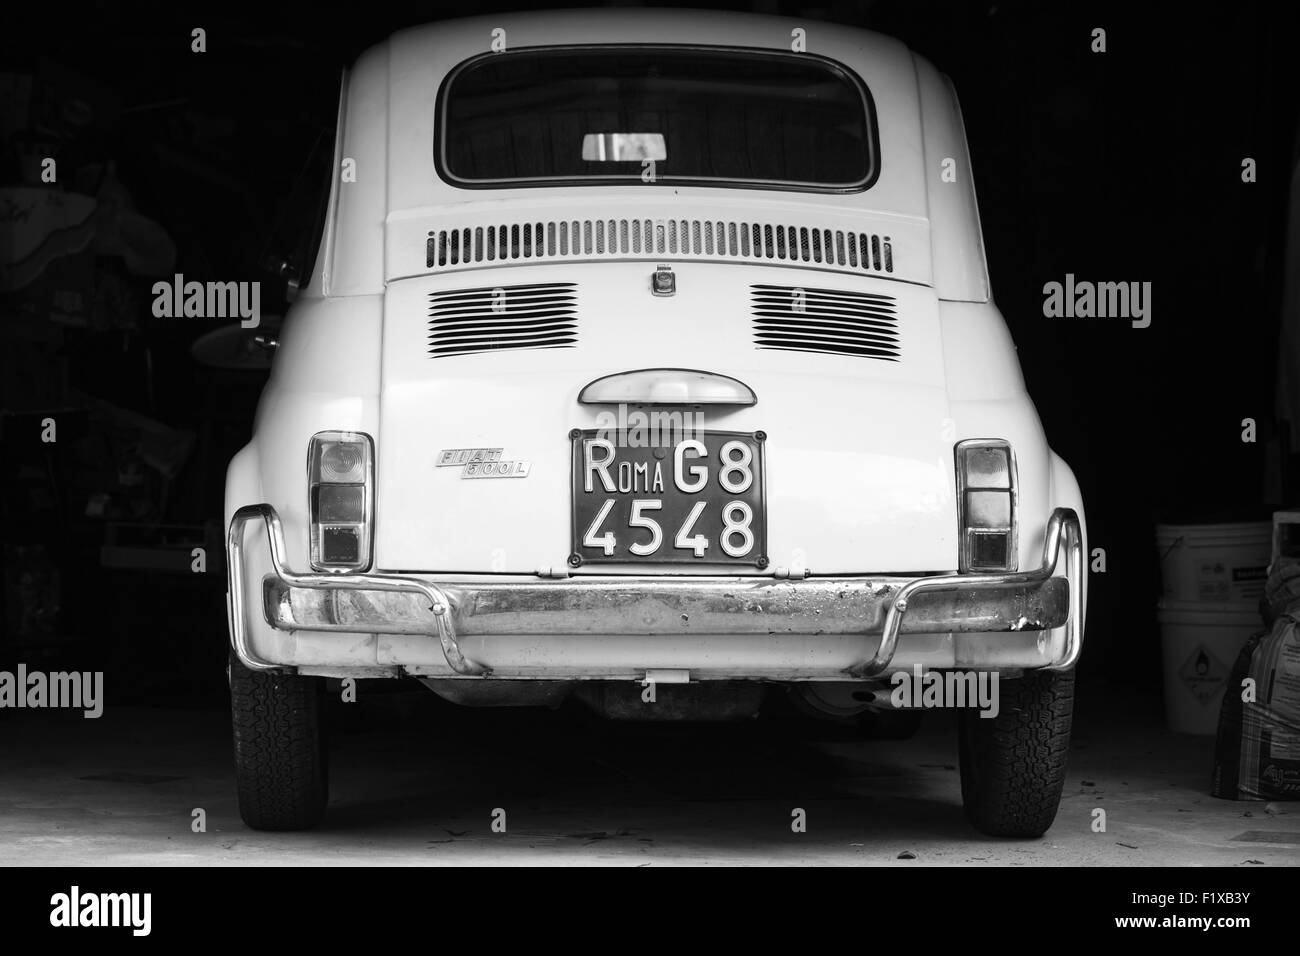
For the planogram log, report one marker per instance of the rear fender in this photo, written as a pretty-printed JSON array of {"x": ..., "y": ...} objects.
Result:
[{"x": 325, "y": 378}]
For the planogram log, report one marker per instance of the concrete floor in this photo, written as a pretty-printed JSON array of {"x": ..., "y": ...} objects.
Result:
[{"x": 421, "y": 790}]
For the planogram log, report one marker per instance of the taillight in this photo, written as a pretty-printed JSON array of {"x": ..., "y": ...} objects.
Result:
[
  {"x": 986, "y": 505},
  {"x": 340, "y": 475}
]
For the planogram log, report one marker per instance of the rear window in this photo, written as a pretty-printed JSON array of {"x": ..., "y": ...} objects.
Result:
[{"x": 655, "y": 114}]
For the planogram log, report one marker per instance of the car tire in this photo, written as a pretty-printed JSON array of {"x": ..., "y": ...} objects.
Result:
[
  {"x": 1013, "y": 765},
  {"x": 281, "y": 758}
]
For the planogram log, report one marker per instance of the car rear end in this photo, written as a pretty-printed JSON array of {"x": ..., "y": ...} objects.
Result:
[{"x": 669, "y": 373}]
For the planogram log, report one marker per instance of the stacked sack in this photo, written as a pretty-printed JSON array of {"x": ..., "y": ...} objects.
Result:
[{"x": 1257, "y": 751}]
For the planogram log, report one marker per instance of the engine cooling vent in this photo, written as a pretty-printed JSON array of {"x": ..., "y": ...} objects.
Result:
[
  {"x": 825, "y": 320},
  {"x": 466, "y": 321},
  {"x": 652, "y": 238}
]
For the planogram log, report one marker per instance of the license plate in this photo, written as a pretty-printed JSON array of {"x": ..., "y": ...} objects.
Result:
[{"x": 697, "y": 501}]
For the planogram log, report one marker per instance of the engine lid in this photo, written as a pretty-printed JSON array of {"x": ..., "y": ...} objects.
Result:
[{"x": 482, "y": 373}]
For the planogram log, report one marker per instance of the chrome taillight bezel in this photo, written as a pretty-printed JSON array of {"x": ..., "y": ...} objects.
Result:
[
  {"x": 364, "y": 528},
  {"x": 967, "y": 560}
]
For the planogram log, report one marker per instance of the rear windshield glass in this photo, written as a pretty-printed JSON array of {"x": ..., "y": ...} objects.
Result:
[{"x": 655, "y": 114}]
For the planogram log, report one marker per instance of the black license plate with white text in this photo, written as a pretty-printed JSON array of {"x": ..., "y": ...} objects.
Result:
[{"x": 695, "y": 500}]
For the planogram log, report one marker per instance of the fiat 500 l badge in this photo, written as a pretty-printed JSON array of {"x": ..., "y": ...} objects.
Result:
[{"x": 483, "y": 463}]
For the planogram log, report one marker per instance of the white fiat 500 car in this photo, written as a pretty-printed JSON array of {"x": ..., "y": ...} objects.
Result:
[{"x": 650, "y": 358}]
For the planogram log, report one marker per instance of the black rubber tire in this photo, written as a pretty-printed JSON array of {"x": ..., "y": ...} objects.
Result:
[
  {"x": 281, "y": 756},
  {"x": 889, "y": 724},
  {"x": 1013, "y": 765}
]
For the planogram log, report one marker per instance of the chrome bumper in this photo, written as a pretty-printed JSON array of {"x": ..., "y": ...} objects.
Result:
[{"x": 885, "y": 605}]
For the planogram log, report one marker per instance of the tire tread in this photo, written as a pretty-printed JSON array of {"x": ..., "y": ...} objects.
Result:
[
  {"x": 1013, "y": 765},
  {"x": 280, "y": 755}
]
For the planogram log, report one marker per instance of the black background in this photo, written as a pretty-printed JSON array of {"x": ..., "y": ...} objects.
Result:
[{"x": 1122, "y": 166}]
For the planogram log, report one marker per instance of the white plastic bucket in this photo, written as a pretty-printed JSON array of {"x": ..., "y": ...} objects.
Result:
[
  {"x": 1219, "y": 563},
  {"x": 1199, "y": 644}
]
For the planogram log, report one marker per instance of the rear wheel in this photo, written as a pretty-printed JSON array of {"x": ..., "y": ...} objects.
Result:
[
  {"x": 281, "y": 765},
  {"x": 1013, "y": 765}
]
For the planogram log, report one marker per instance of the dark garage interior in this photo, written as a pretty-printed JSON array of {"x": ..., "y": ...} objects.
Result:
[{"x": 1124, "y": 165}]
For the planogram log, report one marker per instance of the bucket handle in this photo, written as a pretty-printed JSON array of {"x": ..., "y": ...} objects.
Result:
[{"x": 1169, "y": 550}]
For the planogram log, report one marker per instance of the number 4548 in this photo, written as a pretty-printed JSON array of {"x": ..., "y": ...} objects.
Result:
[{"x": 735, "y": 475}]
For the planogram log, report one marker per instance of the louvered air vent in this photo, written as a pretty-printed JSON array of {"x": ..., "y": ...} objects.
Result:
[
  {"x": 466, "y": 321},
  {"x": 825, "y": 320},
  {"x": 651, "y": 238}
]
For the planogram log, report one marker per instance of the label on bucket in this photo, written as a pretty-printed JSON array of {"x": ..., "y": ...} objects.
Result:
[
  {"x": 1249, "y": 582},
  {"x": 1221, "y": 582},
  {"x": 1204, "y": 674}
]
